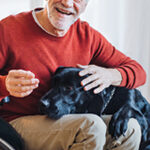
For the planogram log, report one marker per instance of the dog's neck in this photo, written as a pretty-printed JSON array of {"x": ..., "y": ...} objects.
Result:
[{"x": 110, "y": 98}]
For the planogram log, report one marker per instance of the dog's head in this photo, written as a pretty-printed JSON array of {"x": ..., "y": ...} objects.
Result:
[{"x": 67, "y": 95}]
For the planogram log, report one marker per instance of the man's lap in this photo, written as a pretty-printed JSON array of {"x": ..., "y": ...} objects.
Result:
[{"x": 38, "y": 130}]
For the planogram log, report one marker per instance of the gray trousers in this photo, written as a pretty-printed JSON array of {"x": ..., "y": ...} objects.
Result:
[{"x": 74, "y": 132}]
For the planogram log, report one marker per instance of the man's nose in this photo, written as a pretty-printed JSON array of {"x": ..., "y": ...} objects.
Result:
[{"x": 67, "y": 3}]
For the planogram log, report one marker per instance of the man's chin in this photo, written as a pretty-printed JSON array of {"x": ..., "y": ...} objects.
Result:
[
  {"x": 60, "y": 30},
  {"x": 62, "y": 26}
]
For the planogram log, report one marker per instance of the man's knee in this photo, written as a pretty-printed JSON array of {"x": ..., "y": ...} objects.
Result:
[
  {"x": 84, "y": 120},
  {"x": 93, "y": 129},
  {"x": 95, "y": 122},
  {"x": 94, "y": 126}
]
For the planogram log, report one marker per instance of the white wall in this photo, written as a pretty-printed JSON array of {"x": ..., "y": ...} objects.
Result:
[
  {"x": 13, "y": 6},
  {"x": 8, "y": 7},
  {"x": 36, "y": 3}
]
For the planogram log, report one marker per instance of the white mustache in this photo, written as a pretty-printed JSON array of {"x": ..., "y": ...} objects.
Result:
[{"x": 65, "y": 9}]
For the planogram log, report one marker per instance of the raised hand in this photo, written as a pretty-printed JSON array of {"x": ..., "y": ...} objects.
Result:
[{"x": 21, "y": 83}]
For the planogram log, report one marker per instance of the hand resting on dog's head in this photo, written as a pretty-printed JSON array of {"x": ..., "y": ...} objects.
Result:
[{"x": 68, "y": 97}]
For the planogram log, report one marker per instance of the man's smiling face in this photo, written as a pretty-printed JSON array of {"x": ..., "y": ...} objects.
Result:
[{"x": 63, "y": 13}]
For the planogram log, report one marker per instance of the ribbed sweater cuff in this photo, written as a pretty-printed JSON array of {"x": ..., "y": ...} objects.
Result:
[{"x": 124, "y": 77}]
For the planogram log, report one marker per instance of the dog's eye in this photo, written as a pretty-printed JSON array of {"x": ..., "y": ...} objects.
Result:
[{"x": 68, "y": 88}]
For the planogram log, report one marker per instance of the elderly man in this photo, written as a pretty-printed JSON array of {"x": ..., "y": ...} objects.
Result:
[{"x": 32, "y": 45}]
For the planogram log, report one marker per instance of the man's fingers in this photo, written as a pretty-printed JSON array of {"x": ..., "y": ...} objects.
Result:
[
  {"x": 24, "y": 82},
  {"x": 99, "y": 77},
  {"x": 89, "y": 79},
  {"x": 99, "y": 89},
  {"x": 21, "y": 73},
  {"x": 20, "y": 83},
  {"x": 23, "y": 89},
  {"x": 82, "y": 66},
  {"x": 23, "y": 94},
  {"x": 82, "y": 73},
  {"x": 88, "y": 70},
  {"x": 93, "y": 84}
]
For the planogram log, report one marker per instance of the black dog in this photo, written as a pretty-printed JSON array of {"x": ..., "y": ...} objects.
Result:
[
  {"x": 68, "y": 97},
  {"x": 9, "y": 138}
]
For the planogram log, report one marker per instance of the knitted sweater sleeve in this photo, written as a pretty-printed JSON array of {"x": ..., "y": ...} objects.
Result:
[
  {"x": 3, "y": 62},
  {"x": 106, "y": 55}
]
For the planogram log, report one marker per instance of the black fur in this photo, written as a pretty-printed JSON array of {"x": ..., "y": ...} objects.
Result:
[{"x": 68, "y": 97}]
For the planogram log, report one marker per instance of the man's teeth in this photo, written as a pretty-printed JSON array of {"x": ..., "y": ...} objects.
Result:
[{"x": 63, "y": 12}]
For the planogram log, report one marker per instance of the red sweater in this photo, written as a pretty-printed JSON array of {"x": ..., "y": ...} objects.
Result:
[{"x": 24, "y": 45}]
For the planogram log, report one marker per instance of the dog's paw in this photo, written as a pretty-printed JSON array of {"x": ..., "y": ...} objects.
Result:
[
  {"x": 118, "y": 124},
  {"x": 144, "y": 135},
  {"x": 119, "y": 121}
]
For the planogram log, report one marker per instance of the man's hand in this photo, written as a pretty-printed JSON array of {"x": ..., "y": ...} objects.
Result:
[
  {"x": 21, "y": 83},
  {"x": 100, "y": 78}
]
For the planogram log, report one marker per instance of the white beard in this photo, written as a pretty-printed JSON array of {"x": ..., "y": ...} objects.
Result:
[{"x": 63, "y": 24}]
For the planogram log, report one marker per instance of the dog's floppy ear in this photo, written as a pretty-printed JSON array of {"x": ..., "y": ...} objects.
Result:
[{"x": 59, "y": 69}]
